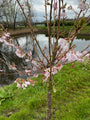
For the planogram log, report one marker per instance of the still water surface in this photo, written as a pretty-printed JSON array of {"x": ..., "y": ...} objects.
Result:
[{"x": 8, "y": 75}]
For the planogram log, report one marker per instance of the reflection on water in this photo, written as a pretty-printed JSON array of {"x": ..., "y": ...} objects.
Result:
[
  {"x": 86, "y": 37},
  {"x": 8, "y": 55}
]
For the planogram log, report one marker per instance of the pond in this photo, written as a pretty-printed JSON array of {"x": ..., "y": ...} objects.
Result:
[{"x": 7, "y": 76}]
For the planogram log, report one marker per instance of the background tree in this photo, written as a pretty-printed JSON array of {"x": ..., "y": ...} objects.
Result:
[{"x": 11, "y": 13}]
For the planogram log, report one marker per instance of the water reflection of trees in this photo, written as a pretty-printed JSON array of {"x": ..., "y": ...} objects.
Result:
[
  {"x": 8, "y": 55},
  {"x": 86, "y": 38}
]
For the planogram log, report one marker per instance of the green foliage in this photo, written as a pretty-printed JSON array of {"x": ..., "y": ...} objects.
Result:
[
  {"x": 70, "y": 99},
  {"x": 82, "y": 21},
  {"x": 4, "y": 95},
  {"x": 66, "y": 23}
]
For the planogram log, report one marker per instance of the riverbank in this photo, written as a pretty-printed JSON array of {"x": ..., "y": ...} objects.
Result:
[
  {"x": 70, "y": 99},
  {"x": 43, "y": 30}
]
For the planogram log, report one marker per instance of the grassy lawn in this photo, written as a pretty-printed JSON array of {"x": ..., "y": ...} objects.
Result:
[
  {"x": 41, "y": 28},
  {"x": 86, "y": 30},
  {"x": 70, "y": 100}
]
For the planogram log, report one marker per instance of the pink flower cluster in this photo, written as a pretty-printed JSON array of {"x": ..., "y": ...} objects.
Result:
[
  {"x": 21, "y": 83},
  {"x": 20, "y": 53},
  {"x": 55, "y": 69},
  {"x": 74, "y": 56},
  {"x": 6, "y": 39},
  {"x": 28, "y": 71},
  {"x": 69, "y": 54},
  {"x": 83, "y": 5}
]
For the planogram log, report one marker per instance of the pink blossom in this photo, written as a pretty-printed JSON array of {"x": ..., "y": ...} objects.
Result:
[
  {"x": 1, "y": 40},
  {"x": 19, "y": 53},
  {"x": 73, "y": 56},
  {"x": 32, "y": 84},
  {"x": 47, "y": 74},
  {"x": 27, "y": 82},
  {"x": 35, "y": 75},
  {"x": 83, "y": 5},
  {"x": 88, "y": 55},
  {"x": 33, "y": 61},
  {"x": 47, "y": 70},
  {"x": 18, "y": 85},
  {"x": 55, "y": 6},
  {"x": 59, "y": 67},
  {"x": 21, "y": 83},
  {"x": 72, "y": 65},
  {"x": 30, "y": 54},
  {"x": 37, "y": 65},
  {"x": 63, "y": 43},
  {"x": 28, "y": 79},
  {"x": 24, "y": 85},
  {"x": 54, "y": 70},
  {"x": 84, "y": 52},
  {"x": 63, "y": 14},
  {"x": 27, "y": 60},
  {"x": 58, "y": 52},
  {"x": 65, "y": 48},
  {"x": 28, "y": 72},
  {"x": 9, "y": 44},
  {"x": 18, "y": 80},
  {"x": 42, "y": 72},
  {"x": 7, "y": 34},
  {"x": 45, "y": 79},
  {"x": 43, "y": 60},
  {"x": 63, "y": 59}
]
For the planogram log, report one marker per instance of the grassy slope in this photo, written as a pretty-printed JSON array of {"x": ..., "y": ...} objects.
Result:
[{"x": 71, "y": 101}]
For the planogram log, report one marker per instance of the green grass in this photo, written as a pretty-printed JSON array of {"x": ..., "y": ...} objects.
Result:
[
  {"x": 86, "y": 30},
  {"x": 71, "y": 101},
  {"x": 43, "y": 29}
]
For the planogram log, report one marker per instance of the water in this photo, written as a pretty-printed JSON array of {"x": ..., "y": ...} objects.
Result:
[{"x": 7, "y": 76}]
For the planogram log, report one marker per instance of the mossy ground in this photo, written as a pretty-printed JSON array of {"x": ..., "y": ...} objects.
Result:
[{"x": 70, "y": 97}]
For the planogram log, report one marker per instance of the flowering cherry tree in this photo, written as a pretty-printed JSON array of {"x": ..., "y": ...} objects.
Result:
[{"x": 60, "y": 51}]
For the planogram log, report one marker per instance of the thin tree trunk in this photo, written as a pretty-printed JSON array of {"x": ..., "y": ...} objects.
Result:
[
  {"x": 49, "y": 99},
  {"x": 14, "y": 24}
]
